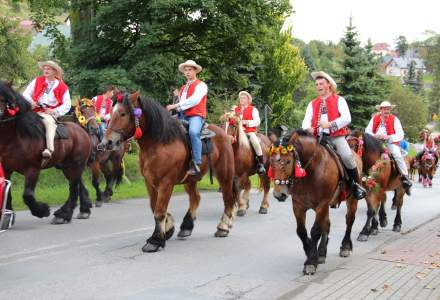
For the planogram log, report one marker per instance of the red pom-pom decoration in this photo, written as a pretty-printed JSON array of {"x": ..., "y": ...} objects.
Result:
[
  {"x": 13, "y": 111},
  {"x": 138, "y": 133},
  {"x": 119, "y": 98},
  {"x": 299, "y": 172},
  {"x": 270, "y": 172}
]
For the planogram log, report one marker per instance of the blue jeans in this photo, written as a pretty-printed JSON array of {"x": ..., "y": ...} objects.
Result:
[
  {"x": 102, "y": 129},
  {"x": 195, "y": 126}
]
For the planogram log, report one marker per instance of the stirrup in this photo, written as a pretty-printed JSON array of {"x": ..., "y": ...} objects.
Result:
[{"x": 358, "y": 191}]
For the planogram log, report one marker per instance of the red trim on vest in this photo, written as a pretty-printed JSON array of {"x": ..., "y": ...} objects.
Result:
[
  {"x": 40, "y": 87},
  {"x": 332, "y": 114},
  {"x": 2, "y": 186},
  {"x": 199, "y": 109},
  {"x": 98, "y": 104},
  {"x": 247, "y": 115}
]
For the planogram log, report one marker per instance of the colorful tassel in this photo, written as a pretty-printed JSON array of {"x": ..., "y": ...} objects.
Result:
[{"x": 299, "y": 172}]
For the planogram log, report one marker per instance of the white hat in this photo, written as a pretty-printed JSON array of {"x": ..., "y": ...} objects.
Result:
[
  {"x": 246, "y": 94},
  {"x": 190, "y": 63},
  {"x": 326, "y": 76},
  {"x": 385, "y": 104},
  {"x": 53, "y": 65}
]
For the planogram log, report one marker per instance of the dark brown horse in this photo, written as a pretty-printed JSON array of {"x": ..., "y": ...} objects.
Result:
[
  {"x": 246, "y": 163},
  {"x": 321, "y": 187},
  {"x": 86, "y": 116},
  {"x": 21, "y": 143},
  {"x": 380, "y": 175},
  {"x": 164, "y": 159},
  {"x": 427, "y": 168}
]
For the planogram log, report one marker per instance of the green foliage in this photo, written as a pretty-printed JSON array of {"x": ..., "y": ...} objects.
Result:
[
  {"x": 402, "y": 45},
  {"x": 433, "y": 64},
  {"x": 413, "y": 79}
]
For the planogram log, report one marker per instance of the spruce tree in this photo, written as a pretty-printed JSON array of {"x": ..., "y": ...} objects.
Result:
[{"x": 412, "y": 79}]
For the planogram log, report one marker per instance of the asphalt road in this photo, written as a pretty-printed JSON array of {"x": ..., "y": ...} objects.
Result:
[{"x": 262, "y": 258}]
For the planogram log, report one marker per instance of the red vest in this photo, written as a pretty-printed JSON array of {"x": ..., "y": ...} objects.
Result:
[
  {"x": 199, "y": 109},
  {"x": 40, "y": 87},
  {"x": 247, "y": 115},
  {"x": 389, "y": 124},
  {"x": 98, "y": 104},
  {"x": 332, "y": 114}
]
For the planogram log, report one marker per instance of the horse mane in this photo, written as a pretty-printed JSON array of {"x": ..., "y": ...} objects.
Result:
[
  {"x": 160, "y": 126},
  {"x": 28, "y": 122},
  {"x": 372, "y": 144}
]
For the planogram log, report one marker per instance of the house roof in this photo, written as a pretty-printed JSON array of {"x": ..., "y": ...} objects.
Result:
[
  {"x": 404, "y": 62},
  {"x": 381, "y": 47}
]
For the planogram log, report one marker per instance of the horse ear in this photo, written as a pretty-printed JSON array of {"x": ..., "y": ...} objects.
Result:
[
  {"x": 294, "y": 138},
  {"x": 134, "y": 98}
]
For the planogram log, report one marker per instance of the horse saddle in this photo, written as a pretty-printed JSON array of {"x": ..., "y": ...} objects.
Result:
[
  {"x": 62, "y": 133},
  {"x": 205, "y": 136},
  {"x": 325, "y": 141}
]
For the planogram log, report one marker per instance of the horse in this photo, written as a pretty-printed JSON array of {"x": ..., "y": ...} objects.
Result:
[
  {"x": 246, "y": 163},
  {"x": 302, "y": 167},
  {"x": 86, "y": 116},
  {"x": 164, "y": 158},
  {"x": 21, "y": 143},
  {"x": 427, "y": 168},
  {"x": 380, "y": 175},
  {"x": 411, "y": 164}
]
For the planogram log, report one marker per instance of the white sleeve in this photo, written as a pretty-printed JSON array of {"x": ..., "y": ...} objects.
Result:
[
  {"x": 398, "y": 136},
  {"x": 256, "y": 119},
  {"x": 200, "y": 91},
  {"x": 369, "y": 128},
  {"x": 29, "y": 91},
  {"x": 94, "y": 99},
  {"x": 65, "y": 107},
  {"x": 345, "y": 118},
  {"x": 307, "y": 122}
]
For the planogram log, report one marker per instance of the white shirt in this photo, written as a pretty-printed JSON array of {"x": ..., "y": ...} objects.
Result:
[
  {"x": 200, "y": 91},
  {"x": 49, "y": 98},
  {"x": 397, "y": 137},
  {"x": 341, "y": 122}
]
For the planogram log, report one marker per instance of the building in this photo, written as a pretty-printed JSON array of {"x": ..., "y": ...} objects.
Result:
[{"x": 399, "y": 66}]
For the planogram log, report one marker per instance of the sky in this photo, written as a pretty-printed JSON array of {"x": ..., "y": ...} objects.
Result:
[{"x": 380, "y": 20}]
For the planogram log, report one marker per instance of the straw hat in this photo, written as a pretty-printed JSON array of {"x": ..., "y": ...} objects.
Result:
[
  {"x": 53, "y": 65},
  {"x": 190, "y": 63},
  {"x": 246, "y": 94},
  {"x": 326, "y": 76},
  {"x": 385, "y": 104}
]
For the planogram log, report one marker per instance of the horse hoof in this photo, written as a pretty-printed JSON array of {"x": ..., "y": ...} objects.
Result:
[
  {"x": 183, "y": 233},
  {"x": 321, "y": 259},
  {"x": 344, "y": 253},
  {"x": 83, "y": 215},
  {"x": 241, "y": 212},
  {"x": 150, "y": 248},
  {"x": 106, "y": 198},
  {"x": 374, "y": 232},
  {"x": 362, "y": 238},
  {"x": 393, "y": 207},
  {"x": 58, "y": 221},
  {"x": 221, "y": 233},
  {"x": 397, "y": 228},
  {"x": 383, "y": 223},
  {"x": 263, "y": 210},
  {"x": 99, "y": 203},
  {"x": 169, "y": 233},
  {"x": 309, "y": 270},
  {"x": 42, "y": 211}
]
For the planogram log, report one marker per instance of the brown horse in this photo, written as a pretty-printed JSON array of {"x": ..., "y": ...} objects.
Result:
[
  {"x": 87, "y": 117},
  {"x": 21, "y": 143},
  {"x": 380, "y": 175},
  {"x": 411, "y": 164},
  {"x": 321, "y": 187},
  {"x": 427, "y": 168},
  {"x": 246, "y": 163},
  {"x": 164, "y": 159}
]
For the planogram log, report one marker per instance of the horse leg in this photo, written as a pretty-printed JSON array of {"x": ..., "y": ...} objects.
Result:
[
  {"x": 188, "y": 221},
  {"x": 399, "y": 202},
  {"x": 37, "y": 209},
  {"x": 158, "y": 238},
  {"x": 64, "y": 214},
  {"x": 84, "y": 202},
  {"x": 108, "y": 175},
  {"x": 382, "y": 213},
  {"x": 372, "y": 203},
  {"x": 393, "y": 205},
  {"x": 323, "y": 221},
  {"x": 243, "y": 202},
  {"x": 95, "y": 182},
  {"x": 347, "y": 244},
  {"x": 226, "y": 180},
  {"x": 301, "y": 231},
  {"x": 265, "y": 183}
]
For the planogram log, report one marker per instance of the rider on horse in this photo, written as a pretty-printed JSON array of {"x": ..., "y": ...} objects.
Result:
[
  {"x": 250, "y": 120},
  {"x": 49, "y": 97},
  {"x": 329, "y": 115},
  {"x": 103, "y": 106},
  {"x": 387, "y": 128},
  {"x": 428, "y": 147},
  {"x": 192, "y": 108}
]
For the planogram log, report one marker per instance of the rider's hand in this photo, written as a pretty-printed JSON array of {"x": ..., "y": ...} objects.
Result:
[
  {"x": 171, "y": 107},
  {"x": 382, "y": 136},
  {"x": 325, "y": 125}
]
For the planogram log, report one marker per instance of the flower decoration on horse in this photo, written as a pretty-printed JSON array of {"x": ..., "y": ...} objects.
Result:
[
  {"x": 85, "y": 102},
  {"x": 283, "y": 157},
  {"x": 375, "y": 171}
]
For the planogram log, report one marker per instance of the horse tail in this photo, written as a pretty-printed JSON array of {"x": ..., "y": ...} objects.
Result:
[
  {"x": 235, "y": 190},
  {"x": 118, "y": 173}
]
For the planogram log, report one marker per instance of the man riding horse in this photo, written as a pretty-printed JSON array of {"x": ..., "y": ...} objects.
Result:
[
  {"x": 387, "y": 128},
  {"x": 192, "y": 108},
  {"x": 250, "y": 120},
  {"x": 429, "y": 146},
  {"x": 49, "y": 97},
  {"x": 103, "y": 107},
  {"x": 329, "y": 115}
]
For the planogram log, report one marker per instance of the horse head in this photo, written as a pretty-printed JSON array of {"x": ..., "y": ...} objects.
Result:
[
  {"x": 234, "y": 129},
  {"x": 124, "y": 121},
  {"x": 9, "y": 106},
  {"x": 87, "y": 116},
  {"x": 428, "y": 160}
]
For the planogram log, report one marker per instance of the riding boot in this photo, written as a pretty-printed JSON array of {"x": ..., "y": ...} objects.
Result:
[
  {"x": 358, "y": 191},
  {"x": 406, "y": 184},
  {"x": 260, "y": 165},
  {"x": 194, "y": 170}
]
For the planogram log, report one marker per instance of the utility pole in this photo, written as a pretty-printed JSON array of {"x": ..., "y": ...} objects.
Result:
[{"x": 267, "y": 110}]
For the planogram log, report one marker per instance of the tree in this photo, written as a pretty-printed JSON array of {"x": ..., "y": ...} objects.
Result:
[
  {"x": 413, "y": 79},
  {"x": 433, "y": 63},
  {"x": 401, "y": 45}
]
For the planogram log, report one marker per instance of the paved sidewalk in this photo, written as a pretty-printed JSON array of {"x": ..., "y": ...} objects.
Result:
[{"x": 407, "y": 267}]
